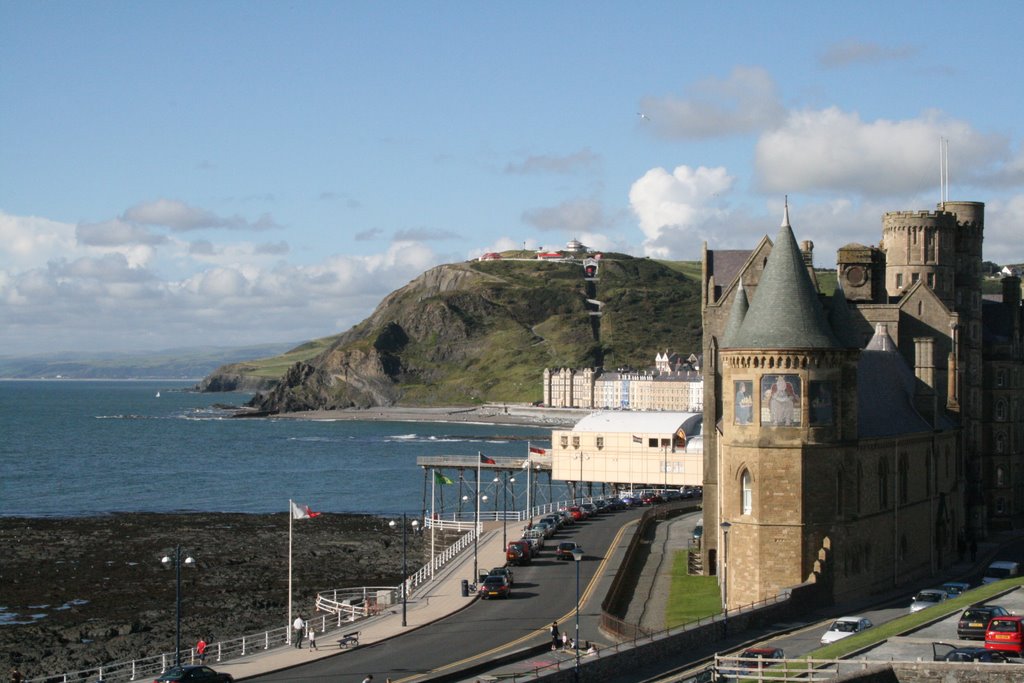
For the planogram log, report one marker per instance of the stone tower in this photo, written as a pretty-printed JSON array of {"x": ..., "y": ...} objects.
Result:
[{"x": 789, "y": 403}]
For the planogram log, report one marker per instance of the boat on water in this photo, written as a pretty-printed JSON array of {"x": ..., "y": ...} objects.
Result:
[{"x": 158, "y": 394}]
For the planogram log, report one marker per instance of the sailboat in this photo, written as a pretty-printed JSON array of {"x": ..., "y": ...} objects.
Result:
[{"x": 158, "y": 394}]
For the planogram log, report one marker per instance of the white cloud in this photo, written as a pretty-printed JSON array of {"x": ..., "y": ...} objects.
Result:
[
  {"x": 747, "y": 101},
  {"x": 179, "y": 216},
  {"x": 680, "y": 201},
  {"x": 831, "y": 150},
  {"x": 863, "y": 52},
  {"x": 116, "y": 232}
]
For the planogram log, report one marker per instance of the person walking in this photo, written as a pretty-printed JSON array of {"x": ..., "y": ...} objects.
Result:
[
  {"x": 555, "y": 640},
  {"x": 201, "y": 650},
  {"x": 565, "y": 640},
  {"x": 312, "y": 638},
  {"x": 298, "y": 626}
]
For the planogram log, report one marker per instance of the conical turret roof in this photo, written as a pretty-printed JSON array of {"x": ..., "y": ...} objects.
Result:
[
  {"x": 740, "y": 306},
  {"x": 785, "y": 312}
]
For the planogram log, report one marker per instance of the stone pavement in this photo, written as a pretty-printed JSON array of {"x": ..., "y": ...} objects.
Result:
[{"x": 434, "y": 600}]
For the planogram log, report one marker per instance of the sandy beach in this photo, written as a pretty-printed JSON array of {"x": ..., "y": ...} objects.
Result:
[{"x": 501, "y": 414}]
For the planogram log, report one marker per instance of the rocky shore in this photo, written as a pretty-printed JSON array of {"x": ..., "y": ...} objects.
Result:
[
  {"x": 492, "y": 413},
  {"x": 77, "y": 593}
]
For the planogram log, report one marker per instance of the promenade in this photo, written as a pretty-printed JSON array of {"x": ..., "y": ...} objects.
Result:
[{"x": 435, "y": 600}]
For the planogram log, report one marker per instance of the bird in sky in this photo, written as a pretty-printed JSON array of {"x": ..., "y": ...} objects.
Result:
[{"x": 643, "y": 116}]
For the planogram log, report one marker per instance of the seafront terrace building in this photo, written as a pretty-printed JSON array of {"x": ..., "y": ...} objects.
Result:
[{"x": 675, "y": 387}]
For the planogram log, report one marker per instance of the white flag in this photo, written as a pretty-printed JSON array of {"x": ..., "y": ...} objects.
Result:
[{"x": 302, "y": 512}]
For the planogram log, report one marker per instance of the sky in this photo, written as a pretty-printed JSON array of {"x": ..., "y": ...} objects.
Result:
[{"x": 229, "y": 173}]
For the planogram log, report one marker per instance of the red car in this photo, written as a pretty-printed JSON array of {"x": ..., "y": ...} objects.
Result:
[
  {"x": 652, "y": 498},
  {"x": 1006, "y": 634}
]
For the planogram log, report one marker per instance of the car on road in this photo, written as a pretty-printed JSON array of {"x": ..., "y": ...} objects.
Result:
[
  {"x": 955, "y": 588},
  {"x": 999, "y": 570},
  {"x": 1006, "y": 634},
  {"x": 589, "y": 508},
  {"x": 193, "y": 674},
  {"x": 927, "y": 598},
  {"x": 652, "y": 498},
  {"x": 495, "y": 586},
  {"x": 973, "y": 621},
  {"x": 944, "y": 652},
  {"x": 844, "y": 627},
  {"x": 504, "y": 571},
  {"x": 565, "y": 548},
  {"x": 616, "y": 504}
]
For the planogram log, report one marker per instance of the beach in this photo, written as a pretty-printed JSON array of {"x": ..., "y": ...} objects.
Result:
[
  {"x": 81, "y": 592},
  {"x": 492, "y": 413}
]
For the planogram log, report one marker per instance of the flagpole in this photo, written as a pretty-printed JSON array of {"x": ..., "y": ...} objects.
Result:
[
  {"x": 529, "y": 466},
  {"x": 476, "y": 524},
  {"x": 433, "y": 519},
  {"x": 288, "y": 623}
]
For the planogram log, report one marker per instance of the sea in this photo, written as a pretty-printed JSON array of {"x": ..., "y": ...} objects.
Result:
[{"x": 73, "y": 448}]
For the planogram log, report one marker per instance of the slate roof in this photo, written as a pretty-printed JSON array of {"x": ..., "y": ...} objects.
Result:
[
  {"x": 785, "y": 312},
  {"x": 640, "y": 422},
  {"x": 726, "y": 264},
  {"x": 885, "y": 391}
]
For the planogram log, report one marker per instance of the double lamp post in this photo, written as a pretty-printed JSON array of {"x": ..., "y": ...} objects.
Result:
[
  {"x": 177, "y": 560},
  {"x": 405, "y": 560}
]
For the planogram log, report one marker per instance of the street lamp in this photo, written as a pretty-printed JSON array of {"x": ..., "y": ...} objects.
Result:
[
  {"x": 577, "y": 556},
  {"x": 190, "y": 561},
  {"x": 504, "y": 514},
  {"x": 405, "y": 566},
  {"x": 496, "y": 481},
  {"x": 725, "y": 526},
  {"x": 476, "y": 538}
]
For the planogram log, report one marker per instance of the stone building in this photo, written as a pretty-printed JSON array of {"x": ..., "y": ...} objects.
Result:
[{"x": 855, "y": 439}]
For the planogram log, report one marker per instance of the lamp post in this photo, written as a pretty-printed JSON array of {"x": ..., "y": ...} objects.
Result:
[
  {"x": 190, "y": 561},
  {"x": 577, "y": 556},
  {"x": 725, "y": 526},
  {"x": 476, "y": 538},
  {"x": 405, "y": 564},
  {"x": 512, "y": 482},
  {"x": 504, "y": 514}
]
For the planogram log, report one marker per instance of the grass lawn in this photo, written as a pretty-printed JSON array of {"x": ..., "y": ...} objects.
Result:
[{"x": 691, "y": 597}]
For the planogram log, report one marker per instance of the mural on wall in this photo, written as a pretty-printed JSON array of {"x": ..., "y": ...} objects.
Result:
[
  {"x": 780, "y": 400},
  {"x": 743, "y": 409},
  {"x": 820, "y": 395}
]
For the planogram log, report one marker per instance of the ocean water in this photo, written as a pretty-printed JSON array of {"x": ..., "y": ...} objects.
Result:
[{"x": 77, "y": 448}]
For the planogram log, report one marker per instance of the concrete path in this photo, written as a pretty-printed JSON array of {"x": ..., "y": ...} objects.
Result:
[{"x": 650, "y": 598}]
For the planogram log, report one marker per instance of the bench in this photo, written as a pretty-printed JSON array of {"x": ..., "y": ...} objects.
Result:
[{"x": 349, "y": 639}]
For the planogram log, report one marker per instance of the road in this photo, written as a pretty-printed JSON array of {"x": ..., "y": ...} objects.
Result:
[{"x": 543, "y": 591}]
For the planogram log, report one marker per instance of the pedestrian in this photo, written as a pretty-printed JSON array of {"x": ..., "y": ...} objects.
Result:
[
  {"x": 555, "y": 640},
  {"x": 298, "y": 626},
  {"x": 565, "y": 640},
  {"x": 312, "y": 638},
  {"x": 201, "y": 650}
]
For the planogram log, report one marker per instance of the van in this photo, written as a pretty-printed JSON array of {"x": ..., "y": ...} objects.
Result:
[{"x": 997, "y": 571}]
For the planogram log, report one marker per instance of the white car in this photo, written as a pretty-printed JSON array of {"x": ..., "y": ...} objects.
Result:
[
  {"x": 927, "y": 598},
  {"x": 844, "y": 627}
]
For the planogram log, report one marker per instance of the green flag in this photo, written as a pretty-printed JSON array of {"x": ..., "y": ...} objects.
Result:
[{"x": 441, "y": 479}]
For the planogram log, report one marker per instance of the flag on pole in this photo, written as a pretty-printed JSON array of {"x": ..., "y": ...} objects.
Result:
[
  {"x": 302, "y": 511},
  {"x": 637, "y": 439},
  {"x": 538, "y": 451},
  {"x": 441, "y": 479},
  {"x": 484, "y": 460}
]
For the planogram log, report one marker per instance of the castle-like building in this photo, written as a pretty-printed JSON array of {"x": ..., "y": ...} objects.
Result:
[{"x": 858, "y": 440}]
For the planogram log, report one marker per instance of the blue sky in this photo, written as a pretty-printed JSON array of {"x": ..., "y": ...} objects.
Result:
[{"x": 228, "y": 173}]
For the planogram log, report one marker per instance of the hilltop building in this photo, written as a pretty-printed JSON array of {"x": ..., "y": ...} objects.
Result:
[
  {"x": 674, "y": 384},
  {"x": 860, "y": 439}
]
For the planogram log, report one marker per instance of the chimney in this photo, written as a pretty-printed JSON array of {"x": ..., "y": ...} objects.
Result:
[{"x": 924, "y": 370}]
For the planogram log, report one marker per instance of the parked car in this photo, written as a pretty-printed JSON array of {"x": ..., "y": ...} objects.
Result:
[
  {"x": 535, "y": 542},
  {"x": 518, "y": 553},
  {"x": 672, "y": 495},
  {"x": 567, "y": 518},
  {"x": 756, "y": 657},
  {"x": 629, "y": 500},
  {"x": 564, "y": 550},
  {"x": 193, "y": 674},
  {"x": 944, "y": 652},
  {"x": 504, "y": 571},
  {"x": 955, "y": 588},
  {"x": 927, "y": 598},
  {"x": 495, "y": 586},
  {"x": 997, "y": 571},
  {"x": 589, "y": 508},
  {"x": 652, "y": 498},
  {"x": 844, "y": 627},
  {"x": 973, "y": 621},
  {"x": 1006, "y": 634}
]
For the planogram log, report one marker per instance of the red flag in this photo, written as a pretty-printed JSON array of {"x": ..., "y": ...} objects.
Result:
[
  {"x": 486, "y": 461},
  {"x": 539, "y": 451},
  {"x": 302, "y": 512}
]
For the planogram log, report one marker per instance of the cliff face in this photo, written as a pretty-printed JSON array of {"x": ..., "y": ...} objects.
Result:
[{"x": 484, "y": 331}]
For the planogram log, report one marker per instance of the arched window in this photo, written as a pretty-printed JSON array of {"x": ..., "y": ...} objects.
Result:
[
  {"x": 1000, "y": 442},
  {"x": 1001, "y": 409},
  {"x": 747, "y": 502},
  {"x": 1000, "y": 476}
]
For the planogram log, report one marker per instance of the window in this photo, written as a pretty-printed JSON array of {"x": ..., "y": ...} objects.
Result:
[
  {"x": 748, "y": 494},
  {"x": 899, "y": 279},
  {"x": 1000, "y": 505},
  {"x": 1000, "y": 378},
  {"x": 1001, "y": 409},
  {"x": 931, "y": 280},
  {"x": 564, "y": 441},
  {"x": 883, "y": 484},
  {"x": 1000, "y": 442},
  {"x": 914, "y": 277},
  {"x": 1000, "y": 476},
  {"x": 600, "y": 442}
]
